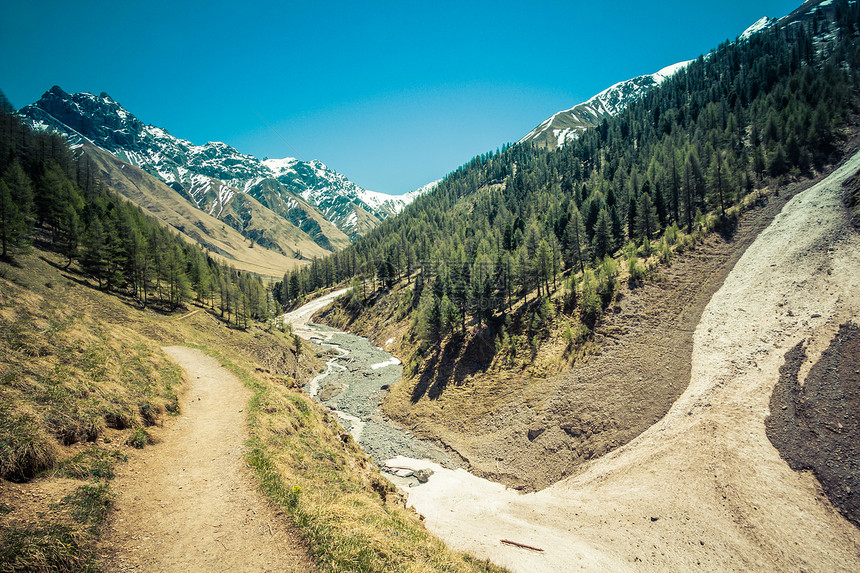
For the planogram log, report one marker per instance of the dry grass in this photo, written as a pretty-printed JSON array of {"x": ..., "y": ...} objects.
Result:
[
  {"x": 67, "y": 376},
  {"x": 351, "y": 517},
  {"x": 80, "y": 369}
]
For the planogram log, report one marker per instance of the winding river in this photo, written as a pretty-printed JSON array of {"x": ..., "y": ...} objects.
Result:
[{"x": 353, "y": 385}]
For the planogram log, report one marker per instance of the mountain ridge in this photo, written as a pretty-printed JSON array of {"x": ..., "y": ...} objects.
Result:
[
  {"x": 306, "y": 193},
  {"x": 566, "y": 125}
]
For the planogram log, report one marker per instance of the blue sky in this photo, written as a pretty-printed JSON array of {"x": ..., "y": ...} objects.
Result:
[{"x": 391, "y": 94}]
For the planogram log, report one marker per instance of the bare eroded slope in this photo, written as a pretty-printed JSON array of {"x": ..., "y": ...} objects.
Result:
[{"x": 703, "y": 488}]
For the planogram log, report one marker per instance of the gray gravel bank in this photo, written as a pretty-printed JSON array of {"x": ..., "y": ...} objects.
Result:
[{"x": 353, "y": 385}]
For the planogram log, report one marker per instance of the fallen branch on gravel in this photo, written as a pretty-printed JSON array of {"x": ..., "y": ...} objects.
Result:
[{"x": 524, "y": 546}]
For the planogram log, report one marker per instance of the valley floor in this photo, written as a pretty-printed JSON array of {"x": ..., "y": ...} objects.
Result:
[
  {"x": 528, "y": 429},
  {"x": 703, "y": 488}
]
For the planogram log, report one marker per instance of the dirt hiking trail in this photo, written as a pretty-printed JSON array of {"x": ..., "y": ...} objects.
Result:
[
  {"x": 702, "y": 489},
  {"x": 189, "y": 502}
]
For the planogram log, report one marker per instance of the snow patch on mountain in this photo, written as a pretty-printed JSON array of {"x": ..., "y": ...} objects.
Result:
[
  {"x": 566, "y": 125},
  {"x": 759, "y": 25},
  {"x": 280, "y": 167}
]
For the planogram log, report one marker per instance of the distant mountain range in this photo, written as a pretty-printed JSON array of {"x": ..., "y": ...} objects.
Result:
[{"x": 328, "y": 207}]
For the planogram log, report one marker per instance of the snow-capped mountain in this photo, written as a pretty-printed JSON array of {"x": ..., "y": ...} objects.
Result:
[
  {"x": 307, "y": 193},
  {"x": 566, "y": 125},
  {"x": 759, "y": 25}
]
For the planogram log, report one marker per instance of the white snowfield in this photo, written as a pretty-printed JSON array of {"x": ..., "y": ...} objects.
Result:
[{"x": 703, "y": 489}]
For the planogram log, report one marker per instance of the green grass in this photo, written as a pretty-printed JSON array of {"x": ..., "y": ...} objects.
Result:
[
  {"x": 139, "y": 439},
  {"x": 90, "y": 504},
  {"x": 93, "y": 463},
  {"x": 45, "y": 548}
]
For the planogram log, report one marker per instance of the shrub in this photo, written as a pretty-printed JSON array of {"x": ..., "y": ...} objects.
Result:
[
  {"x": 607, "y": 284},
  {"x": 635, "y": 270},
  {"x": 671, "y": 234},
  {"x": 139, "y": 439},
  {"x": 590, "y": 306},
  {"x": 25, "y": 448}
]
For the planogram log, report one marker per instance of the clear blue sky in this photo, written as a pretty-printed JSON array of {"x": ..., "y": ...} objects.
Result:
[{"x": 391, "y": 94}]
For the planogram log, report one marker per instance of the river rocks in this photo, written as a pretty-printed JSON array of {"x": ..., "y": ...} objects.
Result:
[{"x": 355, "y": 389}]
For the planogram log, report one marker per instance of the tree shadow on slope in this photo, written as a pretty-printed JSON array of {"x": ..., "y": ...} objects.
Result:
[
  {"x": 453, "y": 363},
  {"x": 816, "y": 426}
]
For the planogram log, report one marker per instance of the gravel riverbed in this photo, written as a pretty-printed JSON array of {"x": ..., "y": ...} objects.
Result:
[{"x": 353, "y": 385}]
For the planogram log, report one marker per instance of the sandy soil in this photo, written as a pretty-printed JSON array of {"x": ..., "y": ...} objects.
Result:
[
  {"x": 300, "y": 317},
  {"x": 703, "y": 488},
  {"x": 189, "y": 502}
]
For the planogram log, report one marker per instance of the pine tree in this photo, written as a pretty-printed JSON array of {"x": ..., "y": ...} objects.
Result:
[
  {"x": 631, "y": 217},
  {"x": 574, "y": 241},
  {"x": 601, "y": 245},
  {"x": 450, "y": 316},
  {"x": 646, "y": 218},
  {"x": 778, "y": 163},
  {"x": 429, "y": 317},
  {"x": 16, "y": 209},
  {"x": 10, "y": 221},
  {"x": 718, "y": 176},
  {"x": 69, "y": 236},
  {"x": 660, "y": 205},
  {"x": 94, "y": 251},
  {"x": 543, "y": 267}
]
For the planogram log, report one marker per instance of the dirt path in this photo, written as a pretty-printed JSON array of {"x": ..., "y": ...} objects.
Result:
[
  {"x": 703, "y": 488},
  {"x": 189, "y": 502}
]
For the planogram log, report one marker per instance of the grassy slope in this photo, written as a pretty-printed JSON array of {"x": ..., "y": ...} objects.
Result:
[
  {"x": 77, "y": 365},
  {"x": 279, "y": 199},
  {"x": 219, "y": 238}
]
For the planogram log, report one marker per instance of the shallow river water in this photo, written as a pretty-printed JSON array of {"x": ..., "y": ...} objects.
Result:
[{"x": 353, "y": 385}]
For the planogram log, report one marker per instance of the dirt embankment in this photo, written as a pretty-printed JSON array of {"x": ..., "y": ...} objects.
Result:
[
  {"x": 189, "y": 503},
  {"x": 530, "y": 436}
]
